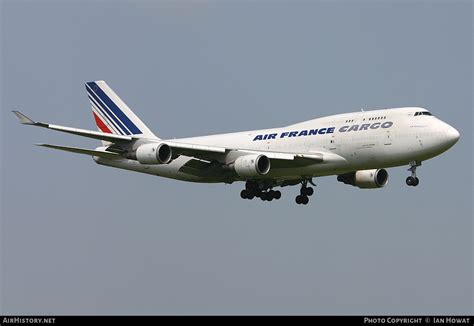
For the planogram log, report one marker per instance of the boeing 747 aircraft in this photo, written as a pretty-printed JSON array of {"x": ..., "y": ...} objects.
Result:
[{"x": 357, "y": 147}]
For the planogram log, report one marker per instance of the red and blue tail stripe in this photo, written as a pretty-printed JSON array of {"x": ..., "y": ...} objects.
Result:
[
  {"x": 110, "y": 112},
  {"x": 102, "y": 119},
  {"x": 102, "y": 126},
  {"x": 112, "y": 115}
]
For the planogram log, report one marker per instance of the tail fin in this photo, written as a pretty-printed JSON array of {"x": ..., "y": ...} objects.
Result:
[{"x": 111, "y": 114}]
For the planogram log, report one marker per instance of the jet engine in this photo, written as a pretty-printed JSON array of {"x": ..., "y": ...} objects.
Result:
[
  {"x": 365, "y": 179},
  {"x": 154, "y": 153},
  {"x": 252, "y": 165}
]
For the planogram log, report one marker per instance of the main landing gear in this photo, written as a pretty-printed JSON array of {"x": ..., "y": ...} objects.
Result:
[
  {"x": 252, "y": 190},
  {"x": 264, "y": 191},
  {"x": 305, "y": 192},
  {"x": 413, "y": 180}
]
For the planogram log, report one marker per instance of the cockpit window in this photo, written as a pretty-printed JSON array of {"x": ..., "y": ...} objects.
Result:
[{"x": 422, "y": 113}]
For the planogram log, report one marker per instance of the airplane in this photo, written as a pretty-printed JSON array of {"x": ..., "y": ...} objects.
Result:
[{"x": 357, "y": 147}]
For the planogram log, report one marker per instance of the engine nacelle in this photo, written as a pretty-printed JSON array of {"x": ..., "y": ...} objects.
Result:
[
  {"x": 154, "y": 153},
  {"x": 365, "y": 179},
  {"x": 252, "y": 165}
]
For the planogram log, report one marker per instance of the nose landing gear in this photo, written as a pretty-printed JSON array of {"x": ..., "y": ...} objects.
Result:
[{"x": 413, "y": 180}]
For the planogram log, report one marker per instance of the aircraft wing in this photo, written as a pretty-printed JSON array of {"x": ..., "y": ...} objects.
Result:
[
  {"x": 181, "y": 148},
  {"x": 208, "y": 153},
  {"x": 79, "y": 132},
  {"x": 314, "y": 157},
  {"x": 204, "y": 152},
  {"x": 200, "y": 152}
]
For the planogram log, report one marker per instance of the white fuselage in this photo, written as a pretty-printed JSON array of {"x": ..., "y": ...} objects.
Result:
[{"x": 349, "y": 142}]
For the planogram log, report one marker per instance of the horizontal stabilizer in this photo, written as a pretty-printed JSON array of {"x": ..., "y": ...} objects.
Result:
[{"x": 77, "y": 150}]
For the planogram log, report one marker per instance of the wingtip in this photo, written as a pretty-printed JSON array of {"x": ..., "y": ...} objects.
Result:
[{"x": 23, "y": 118}]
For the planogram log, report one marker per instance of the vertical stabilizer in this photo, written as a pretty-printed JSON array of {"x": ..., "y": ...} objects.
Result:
[{"x": 112, "y": 115}]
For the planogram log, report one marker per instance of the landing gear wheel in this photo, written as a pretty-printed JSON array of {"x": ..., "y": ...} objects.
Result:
[
  {"x": 244, "y": 194},
  {"x": 301, "y": 199},
  {"x": 410, "y": 181},
  {"x": 417, "y": 181},
  {"x": 277, "y": 194},
  {"x": 266, "y": 196},
  {"x": 269, "y": 195},
  {"x": 305, "y": 200},
  {"x": 308, "y": 191}
]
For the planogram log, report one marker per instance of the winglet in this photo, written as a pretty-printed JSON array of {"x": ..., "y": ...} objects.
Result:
[{"x": 23, "y": 118}]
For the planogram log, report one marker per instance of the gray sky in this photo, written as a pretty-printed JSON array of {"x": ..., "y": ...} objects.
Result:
[{"x": 78, "y": 238}]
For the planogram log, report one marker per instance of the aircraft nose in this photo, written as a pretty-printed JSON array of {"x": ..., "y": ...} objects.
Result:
[{"x": 452, "y": 135}]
